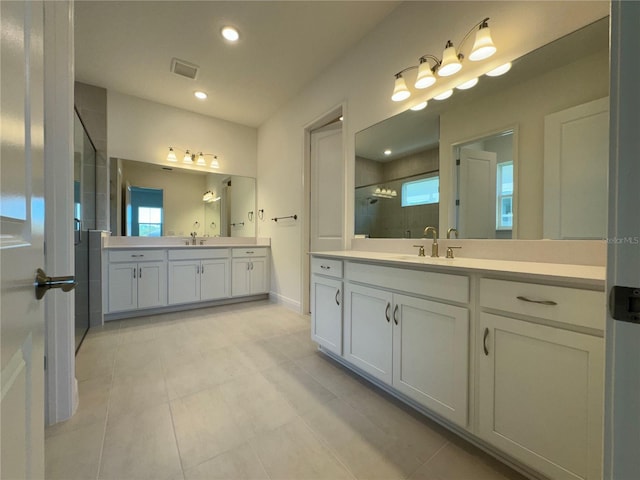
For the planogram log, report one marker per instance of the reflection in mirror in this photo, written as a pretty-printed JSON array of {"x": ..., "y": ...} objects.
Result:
[
  {"x": 177, "y": 202},
  {"x": 485, "y": 190},
  {"x": 547, "y": 89}
]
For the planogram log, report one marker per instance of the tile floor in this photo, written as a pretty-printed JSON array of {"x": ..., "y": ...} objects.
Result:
[{"x": 241, "y": 392}]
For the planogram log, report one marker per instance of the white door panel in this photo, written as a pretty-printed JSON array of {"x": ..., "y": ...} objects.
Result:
[
  {"x": 21, "y": 239},
  {"x": 477, "y": 194}
]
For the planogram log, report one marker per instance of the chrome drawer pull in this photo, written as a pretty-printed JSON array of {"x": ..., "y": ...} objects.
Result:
[
  {"x": 325, "y": 267},
  {"x": 541, "y": 302},
  {"x": 395, "y": 315},
  {"x": 387, "y": 311},
  {"x": 137, "y": 255},
  {"x": 337, "y": 293}
]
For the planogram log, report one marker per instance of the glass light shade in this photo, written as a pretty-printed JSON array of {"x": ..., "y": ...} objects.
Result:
[
  {"x": 387, "y": 152},
  {"x": 200, "y": 94},
  {"x": 468, "y": 84},
  {"x": 214, "y": 163},
  {"x": 394, "y": 193},
  {"x": 208, "y": 196},
  {"x": 201, "y": 161},
  {"x": 483, "y": 47},
  {"x": 400, "y": 90},
  {"x": 425, "y": 76},
  {"x": 171, "y": 157},
  {"x": 501, "y": 70},
  {"x": 378, "y": 190},
  {"x": 419, "y": 106},
  {"x": 450, "y": 62},
  {"x": 444, "y": 95},
  {"x": 187, "y": 157}
]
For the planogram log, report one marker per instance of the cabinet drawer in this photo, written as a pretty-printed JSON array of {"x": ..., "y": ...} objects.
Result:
[
  {"x": 326, "y": 266},
  {"x": 137, "y": 255},
  {"x": 249, "y": 252},
  {"x": 454, "y": 288},
  {"x": 198, "y": 253},
  {"x": 573, "y": 306}
]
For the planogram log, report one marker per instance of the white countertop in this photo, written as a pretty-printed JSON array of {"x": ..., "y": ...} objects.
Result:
[
  {"x": 170, "y": 247},
  {"x": 583, "y": 274}
]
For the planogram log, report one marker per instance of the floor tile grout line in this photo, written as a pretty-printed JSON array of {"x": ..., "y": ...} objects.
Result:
[
  {"x": 175, "y": 438},
  {"x": 106, "y": 417},
  {"x": 446, "y": 443}
]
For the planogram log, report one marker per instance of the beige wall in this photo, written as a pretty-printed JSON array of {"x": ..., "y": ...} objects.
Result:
[
  {"x": 142, "y": 130},
  {"x": 362, "y": 81}
]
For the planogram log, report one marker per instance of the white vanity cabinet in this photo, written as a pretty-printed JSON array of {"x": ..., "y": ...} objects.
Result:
[
  {"x": 326, "y": 303},
  {"x": 137, "y": 280},
  {"x": 198, "y": 275},
  {"x": 249, "y": 271},
  {"x": 541, "y": 387},
  {"x": 417, "y": 345}
]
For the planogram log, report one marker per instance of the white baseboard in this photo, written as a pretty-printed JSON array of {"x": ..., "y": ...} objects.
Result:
[{"x": 285, "y": 301}]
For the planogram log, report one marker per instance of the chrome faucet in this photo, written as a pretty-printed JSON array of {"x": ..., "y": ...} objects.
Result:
[
  {"x": 434, "y": 246},
  {"x": 455, "y": 230},
  {"x": 193, "y": 237}
]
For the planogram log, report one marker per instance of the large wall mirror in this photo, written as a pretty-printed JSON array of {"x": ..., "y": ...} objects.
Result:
[
  {"x": 523, "y": 155},
  {"x": 169, "y": 201}
]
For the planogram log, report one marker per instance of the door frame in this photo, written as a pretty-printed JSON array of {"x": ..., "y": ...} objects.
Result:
[
  {"x": 60, "y": 383},
  {"x": 305, "y": 238}
]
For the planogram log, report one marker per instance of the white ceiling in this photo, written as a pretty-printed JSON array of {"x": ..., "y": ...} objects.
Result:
[{"x": 127, "y": 46}]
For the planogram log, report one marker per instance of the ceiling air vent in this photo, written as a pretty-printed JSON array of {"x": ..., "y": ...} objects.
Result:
[{"x": 186, "y": 69}]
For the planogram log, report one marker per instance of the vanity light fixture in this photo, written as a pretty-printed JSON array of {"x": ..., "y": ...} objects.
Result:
[
  {"x": 419, "y": 106},
  {"x": 501, "y": 70},
  {"x": 468, "y": 84},
  {"x": 451, "y": 63},
  {"x": 230, "y": 33},
  {"x": 444, "y": 95},
  {"x": 191, "y": 158},
  {"x": 210, "y": 197},
  {"x": 384, "y": 193}
]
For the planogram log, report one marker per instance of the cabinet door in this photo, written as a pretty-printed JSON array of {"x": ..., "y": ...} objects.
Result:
[
  {"x": 240, "y": 284},
  {"x": 214, "y": 279},
  {"x": 430, "y": 355},
  {"x": 326, "y": 313},
  {"x": 368, "y": 330},
  {"x": 123, "y": 287},
  {"x": 184, "y": 281},
  {"x": 540, "y": 396},
  {"x": 258, "y": 273},
  {"x": 152, "y": 284}
]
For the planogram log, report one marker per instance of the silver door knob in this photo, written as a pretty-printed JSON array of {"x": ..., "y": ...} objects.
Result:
[{"x": 45, "y": 283}]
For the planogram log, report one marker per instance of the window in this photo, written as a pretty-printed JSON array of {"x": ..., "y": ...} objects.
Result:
[
  {"x": 421, "y": 192},
  {"x": 504, "y": 204},
  {"x": 146, "y": 212},
  {"x": 149, "y": 222}
]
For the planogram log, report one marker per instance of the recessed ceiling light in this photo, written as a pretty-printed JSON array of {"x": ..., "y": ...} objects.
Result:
[
  {"x": 201, "y": 95},
  {"x": 231, "y": 34},
  {"x": 387, "y": 152}
]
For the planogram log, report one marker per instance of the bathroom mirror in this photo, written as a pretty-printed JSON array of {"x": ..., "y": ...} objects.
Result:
[
  {"x": 185, "y": 201},
  {"x": 522, "y": 119}
]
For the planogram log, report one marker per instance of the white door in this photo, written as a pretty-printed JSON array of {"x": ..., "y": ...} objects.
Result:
[
  {"x": 540, "y": 396},
  {"x": 327, "y": 189},
  {"x": 21, "y": 240},
  {"x": 477, "y": 194},
  {"x": 326, "y": 313},
  {"x": 430, "y": 355},
  {"x": 622, "y": 395},
  {"x": 152, "y": 284},
  {"x": 576, "y": 152},
  {"x": 123, "y": 287},
  {"x": 214, "y": 279},
  {"x": 184, "y": 281},
  {"x": 368, "y": 330}
]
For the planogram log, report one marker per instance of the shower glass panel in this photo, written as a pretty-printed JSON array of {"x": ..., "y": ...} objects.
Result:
[{"x": 84, "y": 213}]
